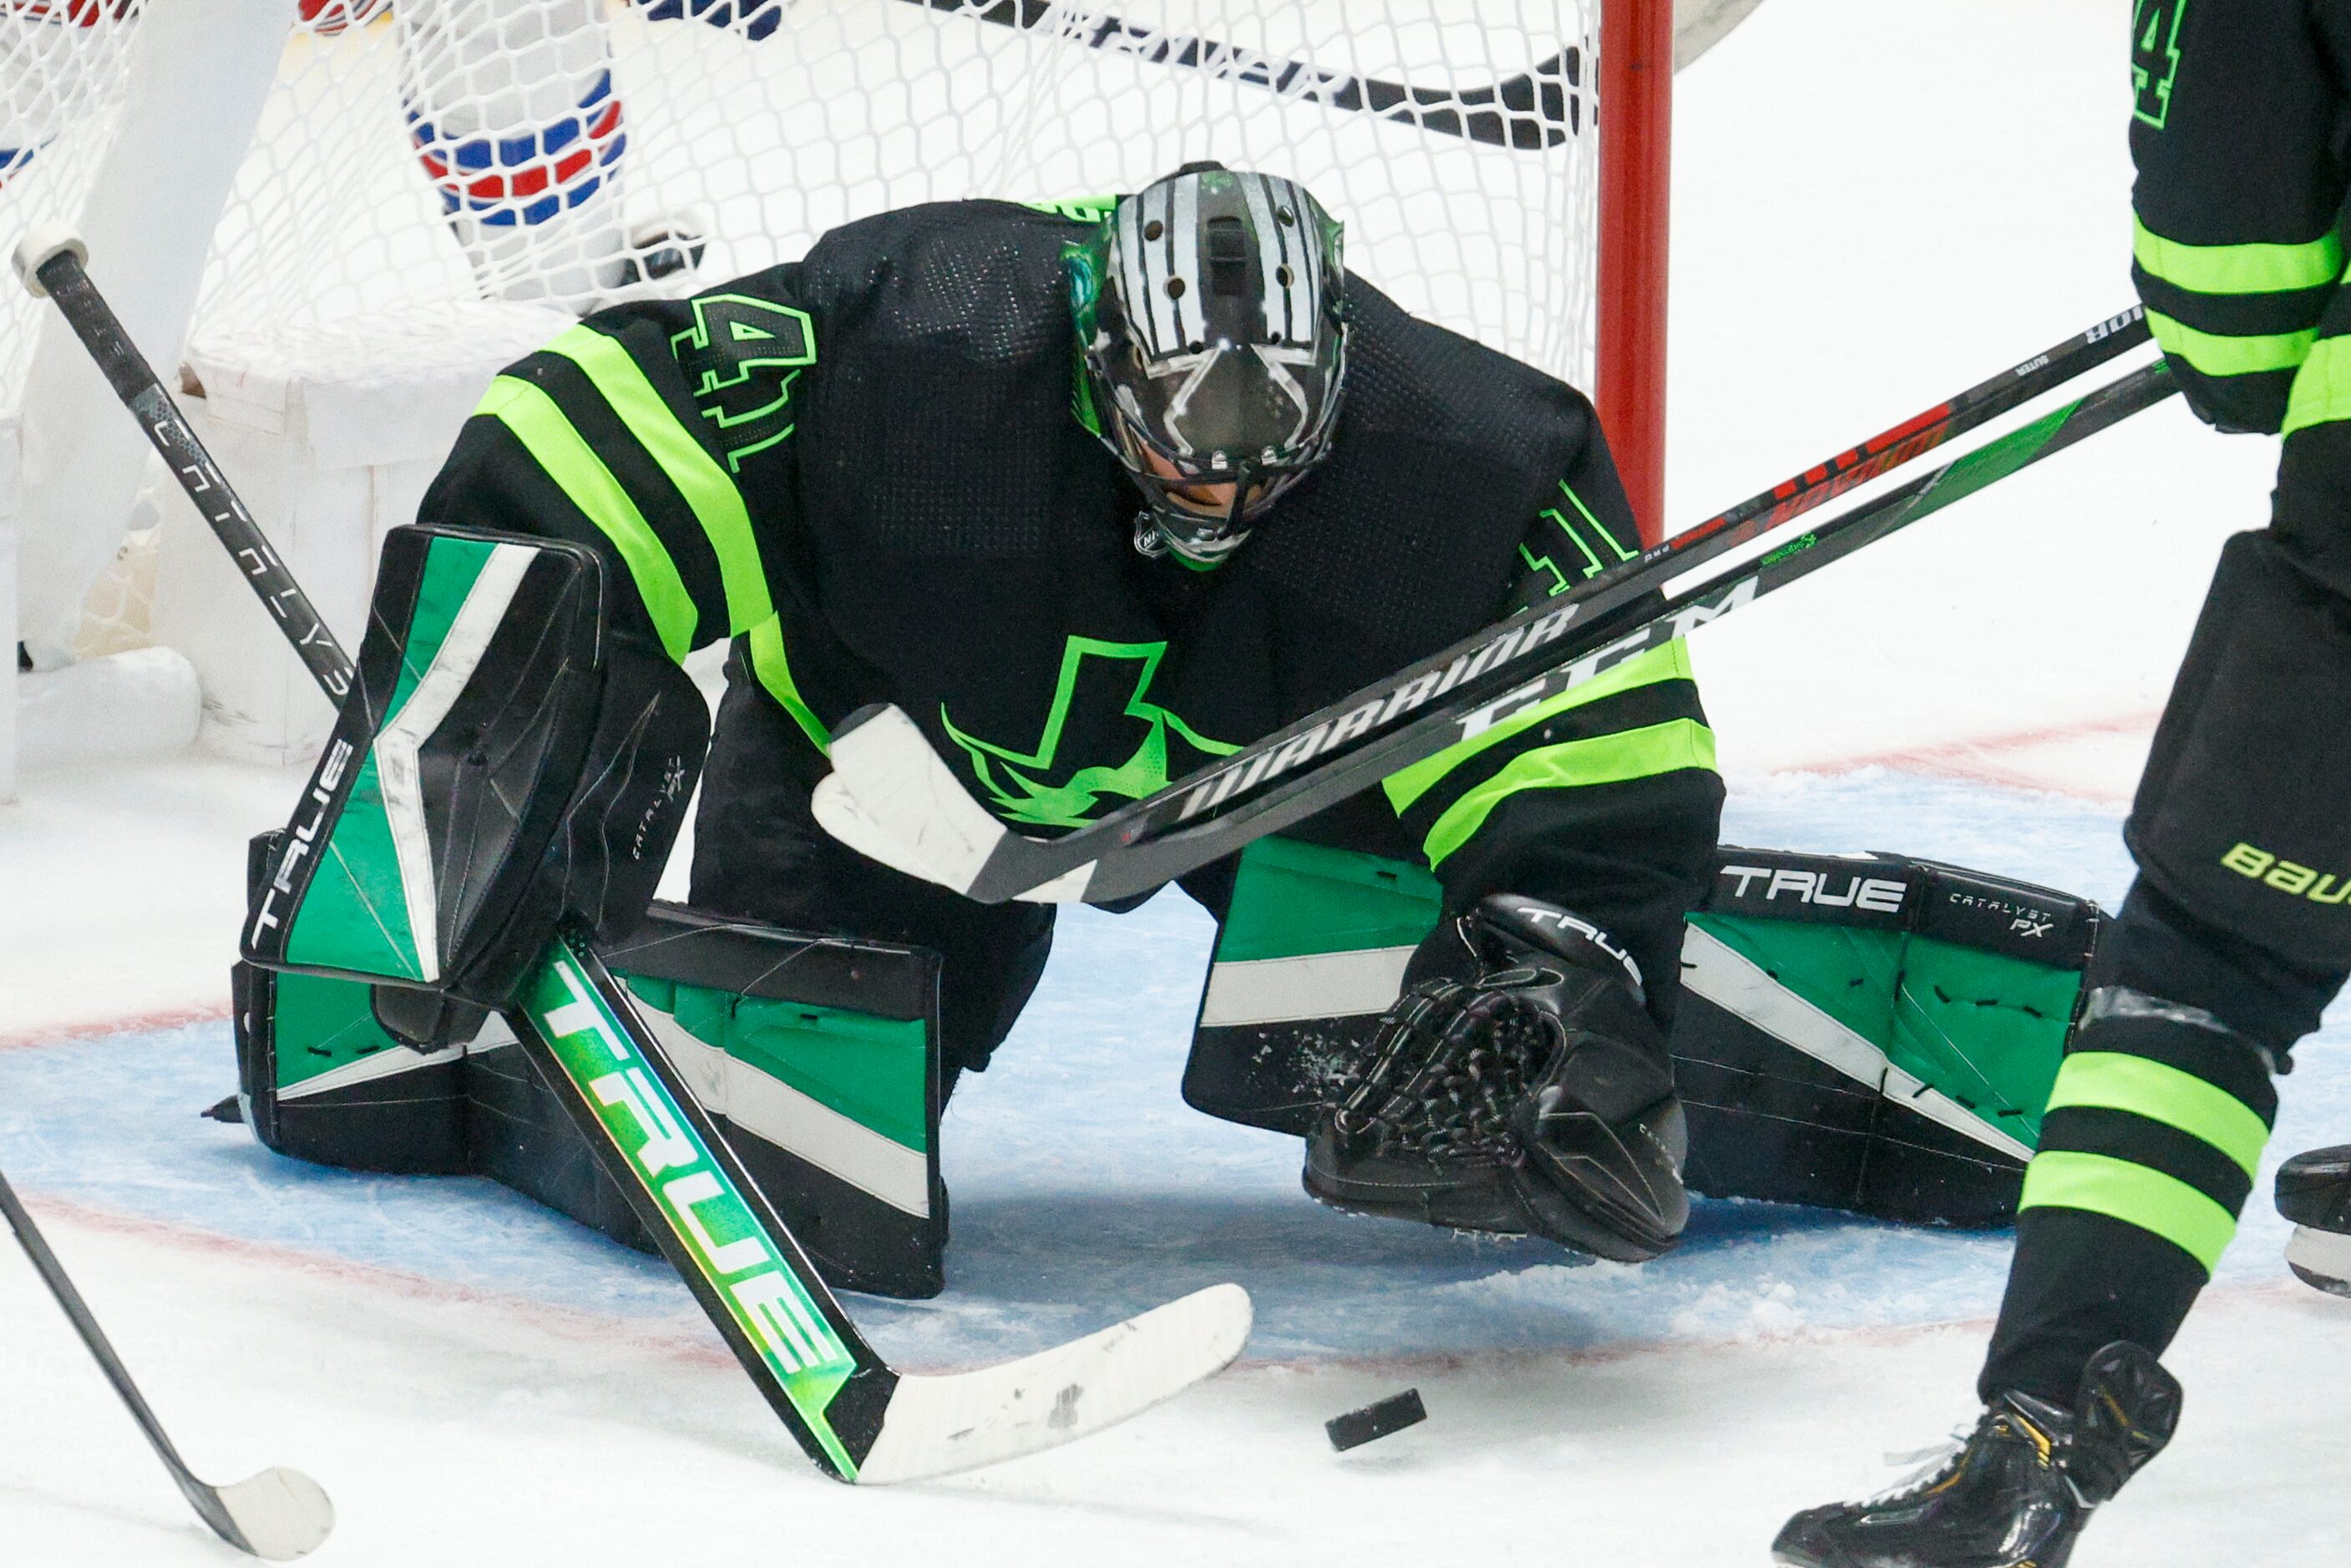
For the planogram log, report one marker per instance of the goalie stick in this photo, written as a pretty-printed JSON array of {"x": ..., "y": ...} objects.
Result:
[
  {"x": 857, "y": 1418},
  {"x": 278, "y": 1514},
  {"x": 1536, "y": 109},
  {"x": 892, "y": 798}
]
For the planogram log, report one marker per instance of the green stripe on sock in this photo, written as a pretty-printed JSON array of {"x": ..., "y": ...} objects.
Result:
[
  {"x": 2216, "y": 355},
  {"x": 2111, "y": 1080},
  {"x": 716, "y": 499},
  {"x": 2321, "y": 388},
  {"x": 2133, "y": 1194},
  {"x": 2237, "y": 269},
  {"x": 558, "y": 447},
  {"x": 1603, "y": 759}
]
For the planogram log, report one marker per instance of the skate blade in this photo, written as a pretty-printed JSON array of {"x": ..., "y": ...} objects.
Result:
[{"x": 2321, "y": 1259}]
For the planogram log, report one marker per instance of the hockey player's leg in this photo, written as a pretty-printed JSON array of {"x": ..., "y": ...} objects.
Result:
[
  {"x": 2314, "y": 1188},
  {"x": 2234, "y": 940}
]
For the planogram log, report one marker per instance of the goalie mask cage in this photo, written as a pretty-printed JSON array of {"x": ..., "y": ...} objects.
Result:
[{"x": 340, "y": 215}]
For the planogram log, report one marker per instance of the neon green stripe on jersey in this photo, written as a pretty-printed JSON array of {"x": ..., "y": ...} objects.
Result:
[
  {"x": 2321, "y": 388},
  {"x": 2237, "y": 269},
  {"x": 2217, "y": 355},
  {"x": 1604, "y": 759},
  {"x": 558, "y": 447},
  {"x": 1670, "y": 662},
  {"x": 774, "y": 671},
  {"x": 2066, "y": 1179},
  {"x": 716, "y": 500},
  {"x": 2111, "y": 1080}
]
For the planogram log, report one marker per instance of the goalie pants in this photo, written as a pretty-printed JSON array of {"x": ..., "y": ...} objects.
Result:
[
  {"x": 2241, "y": 830},
  {"x": 757, "y": 852}
]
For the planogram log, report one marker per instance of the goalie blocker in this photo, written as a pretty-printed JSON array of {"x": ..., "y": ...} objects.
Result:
[{"x": 506, "y": 763}]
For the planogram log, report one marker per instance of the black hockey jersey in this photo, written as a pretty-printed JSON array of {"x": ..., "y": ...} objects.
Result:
[
  {"x": 876, "y": 467},
  {"x": 2239, "y": 132}
]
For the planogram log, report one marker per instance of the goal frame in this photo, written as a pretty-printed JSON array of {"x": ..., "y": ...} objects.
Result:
[{"x": 1636, "y": 116}]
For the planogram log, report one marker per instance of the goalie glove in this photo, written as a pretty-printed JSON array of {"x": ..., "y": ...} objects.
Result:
[
  {"x": 505, "y": 763},
  {"x": 1525, "y": 1091}
]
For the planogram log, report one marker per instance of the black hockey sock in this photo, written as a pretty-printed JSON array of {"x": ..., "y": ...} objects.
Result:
[
  {"x": 2080, "y": 1281},
  {"x": 2155, "y": 1128}
]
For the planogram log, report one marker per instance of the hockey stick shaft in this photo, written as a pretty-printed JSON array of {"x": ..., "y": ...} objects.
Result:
[
  {"x": 68, "y": 1297},
  {"x": 1339, "y": 737},
  {"x": 1611, "y": 642},
  {"x": 1532, "y": 111},
  {"x": 200, "y": 1497},
  {"x": 61, "y": 275},
  {"x": 716, "y": 1227},
  {"x": 1894, "y": 448}
]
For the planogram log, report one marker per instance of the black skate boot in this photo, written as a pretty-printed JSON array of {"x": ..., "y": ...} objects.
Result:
[
  {"x": 1536, "y": 1096},
  {"x": 2313, "y": 1191},
  {"x": 2019, "y": 1492}
]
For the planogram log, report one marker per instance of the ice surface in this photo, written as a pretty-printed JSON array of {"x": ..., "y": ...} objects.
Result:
[{"x": 1874, "y": 205}]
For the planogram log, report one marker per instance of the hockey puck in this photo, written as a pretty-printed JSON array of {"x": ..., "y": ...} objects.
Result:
[{"x": 1377, "y": 1419}]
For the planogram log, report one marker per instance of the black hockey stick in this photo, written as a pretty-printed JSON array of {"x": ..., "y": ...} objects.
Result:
[
  {"x": 278, "y": 1514},
  {"x": 890, "y": 797},
  {"x": 1881, "y": 454},
  {"x": 1530, "y": 112},
  {"x": 119, "y": 362},
  {"x": 856, "y": 1416}
]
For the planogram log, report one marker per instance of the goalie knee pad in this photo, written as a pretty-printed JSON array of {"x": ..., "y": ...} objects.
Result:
[{"x": 2241, "y": 816}]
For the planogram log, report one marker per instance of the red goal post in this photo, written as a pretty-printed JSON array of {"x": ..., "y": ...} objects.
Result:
[{"x": 1637, "y": 118}]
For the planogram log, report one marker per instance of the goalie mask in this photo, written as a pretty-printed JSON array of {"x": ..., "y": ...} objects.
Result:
[{"x": 1210, "y": 319}]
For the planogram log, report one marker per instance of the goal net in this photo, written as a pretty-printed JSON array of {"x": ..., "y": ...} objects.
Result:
[{"x": 433, "y": 186}]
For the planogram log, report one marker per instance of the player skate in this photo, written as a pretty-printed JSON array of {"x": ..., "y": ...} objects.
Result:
[
  {"x": 2018, "y": 1491},
  {"x": 2313, "y": 1191}
]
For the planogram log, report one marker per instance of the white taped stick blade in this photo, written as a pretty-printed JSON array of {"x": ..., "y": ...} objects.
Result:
[
  {"x": 890, "y": 798},
  {"x": 281, "y": 1513},
  {"x": 935, "y": 1426}
]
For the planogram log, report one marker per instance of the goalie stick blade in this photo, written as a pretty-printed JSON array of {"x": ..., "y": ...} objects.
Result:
[
  {"x": 936, "y": 1425},
  {"x": 279, "y": 1514},
  {"x": 892, "y": 799}
]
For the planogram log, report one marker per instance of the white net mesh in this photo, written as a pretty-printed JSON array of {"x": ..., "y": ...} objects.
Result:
[
  {"x": 62, "y": 79},
  {"x": 426, "y": 167},
  {"x": 538, "y": 150}
]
